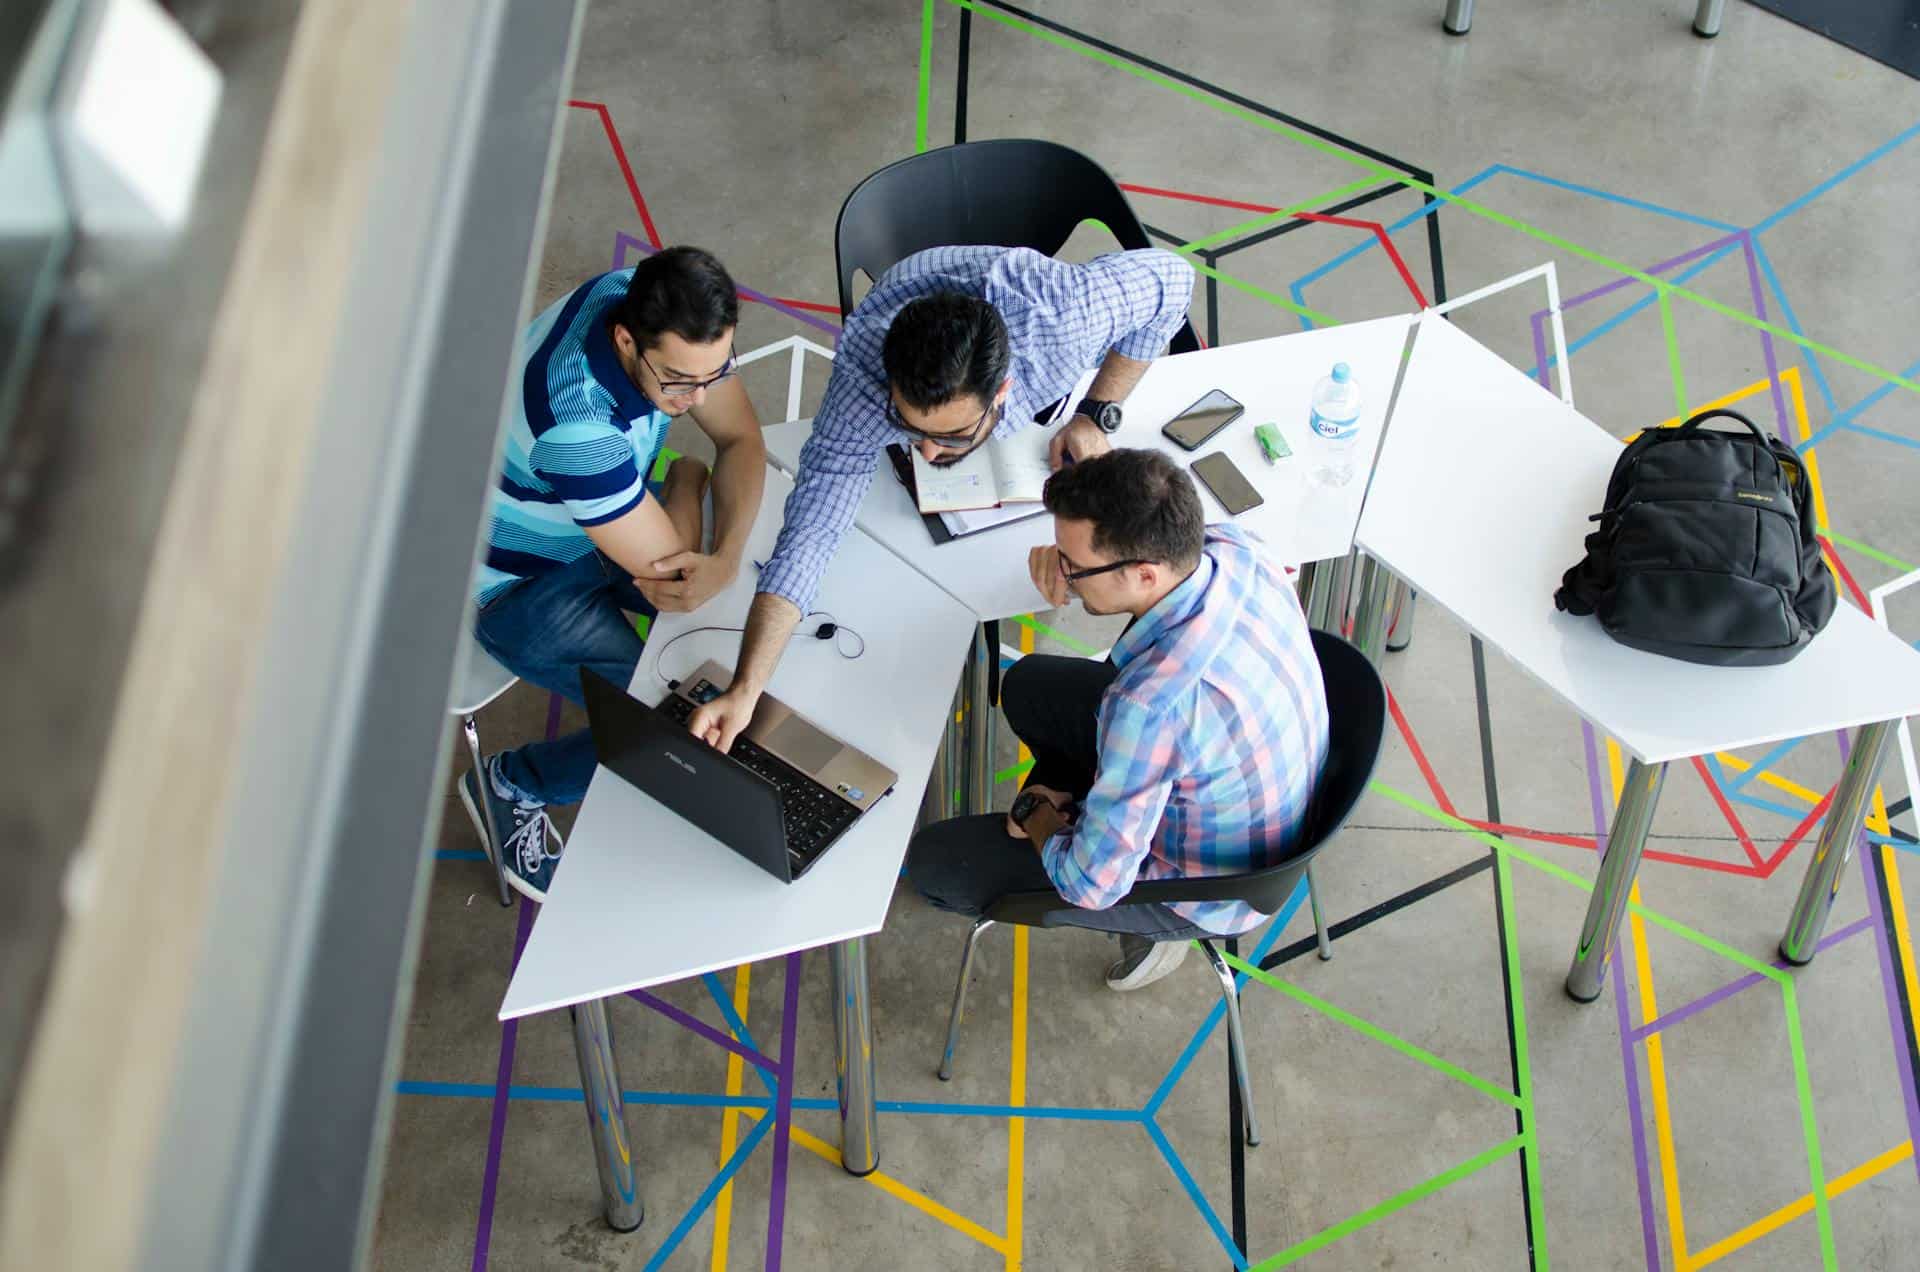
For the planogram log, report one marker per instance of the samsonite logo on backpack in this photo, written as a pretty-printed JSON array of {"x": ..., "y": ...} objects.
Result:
[{"x": 1706, "y": 550}]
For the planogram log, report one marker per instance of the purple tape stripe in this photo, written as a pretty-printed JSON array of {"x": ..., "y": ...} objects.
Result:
[
  {"x": 1766, "y": 337},
  {"x": 783, "y": 1117},
  {"x": 1748, "y": 981},
  {"x": 702, "y": 1028},
  {"x": 624, "y": 243},
  {"x": 1869, "y": 871},
  {"x": 1643, "y": 1171},
  {"x": 502, "y": 1080}
]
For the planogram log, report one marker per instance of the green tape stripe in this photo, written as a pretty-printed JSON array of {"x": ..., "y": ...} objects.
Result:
[
  {"x": 1012, "y": 772},
  {"x": 1374, "y": 1032},
  {"x": 642, "y": 625},
  {"x": 1272, "y": 298},
  {"x": 1346, "y": 1227},
  {"x": 1882, "y": 557},
  {"x": 926, "y": 78},
  {"x": 1273, "y": 218},
  {"x": 1500, "y": 845},
  {"x": 1385, "y": 173},
  {"x": 1673, "y": 355},
  {"x": 1809, "y": 1130},
  {"x": 1041, "y": 629},
  {"x": 1522, "y": 1063},
  {"x": 665, "y": 457}
]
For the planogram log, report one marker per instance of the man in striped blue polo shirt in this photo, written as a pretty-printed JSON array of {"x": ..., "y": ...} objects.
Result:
[{"x": 575, "y": 538}]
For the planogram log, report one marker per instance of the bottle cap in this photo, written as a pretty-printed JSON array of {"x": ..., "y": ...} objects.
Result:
[{"x": 1341, "y": 373}]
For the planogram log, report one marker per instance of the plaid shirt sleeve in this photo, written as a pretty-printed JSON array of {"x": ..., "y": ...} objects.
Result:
[
  {"x": 1094, "y": 862},
  {"x": 1147, "y": 293},
  {"x": 836, "y": 468}
]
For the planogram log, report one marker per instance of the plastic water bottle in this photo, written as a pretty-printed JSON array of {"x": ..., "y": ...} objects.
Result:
[{"x": 1336, "y": 426}]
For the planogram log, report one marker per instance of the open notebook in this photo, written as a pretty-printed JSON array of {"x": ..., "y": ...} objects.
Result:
[{"x": 1007, "y": 470}]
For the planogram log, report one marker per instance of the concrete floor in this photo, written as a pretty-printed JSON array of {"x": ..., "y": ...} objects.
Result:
[{"x": 1590, "y": 130}]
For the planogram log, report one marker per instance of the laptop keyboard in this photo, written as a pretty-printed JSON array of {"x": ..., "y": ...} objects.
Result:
[{"x": 812, "y": 816}]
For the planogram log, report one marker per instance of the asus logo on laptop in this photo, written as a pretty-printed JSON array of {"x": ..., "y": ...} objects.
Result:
[{"x": 677, "y": 760}]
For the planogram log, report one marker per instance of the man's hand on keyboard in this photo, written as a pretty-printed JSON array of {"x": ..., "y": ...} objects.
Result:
[{"x": 719, "y": 722}]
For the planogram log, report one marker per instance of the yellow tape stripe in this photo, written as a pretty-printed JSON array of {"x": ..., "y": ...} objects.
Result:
[
  {"x": 1017, "y": 1096},
  {"x": 1876, "y": 820},
  {"x": 1657, "y": 1088},
  {"x": 1902, "y": 938},
  {"x": 887, "y": 1184},
  {"x": 1795, "y": 1209},
  {"x": 1656, "y": 1051},
  {"x": 729, "y": 1130},
  {"x": 1792, "y": 378}
]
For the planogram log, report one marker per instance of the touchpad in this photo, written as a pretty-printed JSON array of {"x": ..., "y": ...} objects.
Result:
[{"x": 801, "y": 745}]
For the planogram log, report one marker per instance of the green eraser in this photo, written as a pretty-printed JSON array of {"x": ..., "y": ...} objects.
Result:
[{"x": 1272, "y": 445}]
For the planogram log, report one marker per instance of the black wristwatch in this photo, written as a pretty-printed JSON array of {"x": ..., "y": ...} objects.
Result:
[
  {"x": 1024, "y": 805},
  {"x": 1105, "y": 414}
]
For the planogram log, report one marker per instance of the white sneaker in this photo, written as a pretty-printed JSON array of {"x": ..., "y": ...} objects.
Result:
[{"x": 1142, "y": 962}]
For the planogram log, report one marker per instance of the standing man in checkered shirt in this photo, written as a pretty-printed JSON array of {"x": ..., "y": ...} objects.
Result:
[{"x": 953, "y": 346}]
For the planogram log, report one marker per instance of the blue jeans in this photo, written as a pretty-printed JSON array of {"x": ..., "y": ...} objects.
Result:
[{"x": 544, "y": 630}]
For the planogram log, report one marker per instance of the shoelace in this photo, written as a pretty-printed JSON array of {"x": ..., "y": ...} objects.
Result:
[{"x": 529, "y": 838}]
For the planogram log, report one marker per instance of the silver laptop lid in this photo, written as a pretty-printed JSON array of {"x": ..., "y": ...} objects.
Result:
[{"x": 841, "y": 767}]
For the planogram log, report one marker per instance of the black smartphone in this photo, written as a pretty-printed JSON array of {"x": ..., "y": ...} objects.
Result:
[
  {"x": 1192, "y": 427},
  {"x": 1226, "y": 483}
]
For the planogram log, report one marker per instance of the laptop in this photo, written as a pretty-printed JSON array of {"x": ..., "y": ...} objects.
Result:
[{"x": 785, "y": 793}]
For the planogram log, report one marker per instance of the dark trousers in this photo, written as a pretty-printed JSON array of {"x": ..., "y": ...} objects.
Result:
[
  {"x": 544, "y": 631},
  {"x": 965, "y": 863}
]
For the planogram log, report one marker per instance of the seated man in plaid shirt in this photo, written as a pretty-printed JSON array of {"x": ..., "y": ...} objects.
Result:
[{"x": 1192, "y": 752}]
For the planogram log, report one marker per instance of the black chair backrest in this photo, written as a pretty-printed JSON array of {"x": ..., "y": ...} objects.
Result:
[
  {"x": 1007, "y": 193},
  {"x": 1357, "y": 723}
]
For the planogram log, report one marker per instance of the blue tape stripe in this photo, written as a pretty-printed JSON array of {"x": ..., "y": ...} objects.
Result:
[
  {"x": 709, "y": 1100},
  {"x": 712, "y": 1190},
  {"x": 1766, "y": 761},
  {"x": 1881, "y": 435},
  {"x": 1179, "y": 1170},
  {"x": 1642, "y": 205},
  {"x": 1872, "y": 156},
  {"x": 1649, "y": 299},
  {"x": 1395, "y": 227},
  {"x": 1793, "y": 320},
  {"x": 1219, "y": 1009},
  {"x": 1770, "y": 806},
  {"x": 738, "y": 1026},
  {"x": 459, "y": 854}
]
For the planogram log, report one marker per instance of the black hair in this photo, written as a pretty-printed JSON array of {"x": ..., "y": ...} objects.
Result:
[
  {"x": 1141, "y": 504},
  {"x": 945, "y": 345},
  {"x": 679, "y": 289}
]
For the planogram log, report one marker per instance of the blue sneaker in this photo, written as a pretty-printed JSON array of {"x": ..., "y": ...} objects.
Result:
[{"x": 531, "y": 843}]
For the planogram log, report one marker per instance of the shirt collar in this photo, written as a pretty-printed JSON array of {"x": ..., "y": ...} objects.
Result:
[
  {"x": 1176, "y": 607},
  {"x": 604, "y": 362}
]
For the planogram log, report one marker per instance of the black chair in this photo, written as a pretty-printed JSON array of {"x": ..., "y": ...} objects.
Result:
[
  {"x": 1011, "y": 193},
  {"x": 1357, "y": 714}
]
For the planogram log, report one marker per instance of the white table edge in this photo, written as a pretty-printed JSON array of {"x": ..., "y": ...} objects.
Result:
[
  {"x": 1645, "y": 757},
  {"x": 648, "y": 982}
]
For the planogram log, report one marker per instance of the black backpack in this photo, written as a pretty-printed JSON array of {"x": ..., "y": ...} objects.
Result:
[{"x": 1706, "y": 549}]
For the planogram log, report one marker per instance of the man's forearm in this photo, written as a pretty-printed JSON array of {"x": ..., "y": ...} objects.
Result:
[
  {"x": 770, "y": 622},
  {"x": 739, "y": 475},
  {"x": 1116, "y": 378}
]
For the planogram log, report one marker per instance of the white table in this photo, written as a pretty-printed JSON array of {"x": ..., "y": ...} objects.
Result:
[
  {"x": 643, "y": 897},
  {"x": 1273, "y": 378},
  {"x": 1301, "y": 522},
  {"x": 1480, "y": 501}
]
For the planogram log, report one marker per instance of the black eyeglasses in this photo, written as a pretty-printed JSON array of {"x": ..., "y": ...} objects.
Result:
[
  {"x": 962, "y": 442},
  {"x": 686, "y": 388},
  {"x": 1074, "y": 576}
]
